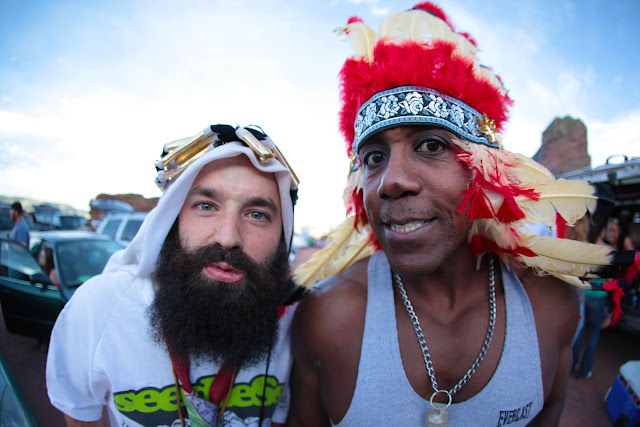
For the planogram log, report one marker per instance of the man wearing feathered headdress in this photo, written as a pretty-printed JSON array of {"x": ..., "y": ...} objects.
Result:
[
  {"x": 462, "y": 317},
  {"x": 189, "y": 325}
]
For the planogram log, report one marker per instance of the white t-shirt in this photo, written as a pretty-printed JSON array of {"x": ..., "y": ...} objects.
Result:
[{"x": 102, "y": 354}]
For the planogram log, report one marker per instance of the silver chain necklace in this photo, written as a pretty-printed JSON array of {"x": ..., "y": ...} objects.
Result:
[{"x": 437, "y": 414}]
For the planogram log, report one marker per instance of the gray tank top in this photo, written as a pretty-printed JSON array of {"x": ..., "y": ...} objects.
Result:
[{"x": 384, "y": 396}]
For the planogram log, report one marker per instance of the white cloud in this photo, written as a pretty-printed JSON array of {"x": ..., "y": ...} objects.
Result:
[
  {"x": 619, "y": 136},
  {"x": 568, "y": 88},
  {"x": 374, "y": 6}
]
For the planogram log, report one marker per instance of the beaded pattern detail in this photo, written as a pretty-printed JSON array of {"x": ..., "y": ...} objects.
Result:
[{"x": 415, "y": 105}]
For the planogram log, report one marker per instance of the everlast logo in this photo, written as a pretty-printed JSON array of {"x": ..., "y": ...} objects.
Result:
[{"x": 509, "y": 417}]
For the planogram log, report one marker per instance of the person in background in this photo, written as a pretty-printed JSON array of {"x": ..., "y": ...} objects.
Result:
[
  {"x": 190, "y": 324},
  {"x": 591, "y": 311},
  {"x": 20, "y": 231},
  {"x": 45, "y": 259},
  {"x": 612, "y": 236}
]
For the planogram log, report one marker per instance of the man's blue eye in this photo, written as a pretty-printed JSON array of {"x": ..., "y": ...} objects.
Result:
[
  {"x": 206, "y": 207},
  {"x": 257, "y": 215}
]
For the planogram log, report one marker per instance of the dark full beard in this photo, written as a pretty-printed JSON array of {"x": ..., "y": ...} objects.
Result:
[{"x": 205, "y": 320}]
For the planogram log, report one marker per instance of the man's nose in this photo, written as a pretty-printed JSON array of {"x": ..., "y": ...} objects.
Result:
[
  {"x": 228, "y": 233},
  {"x": 398, "y": 178}
]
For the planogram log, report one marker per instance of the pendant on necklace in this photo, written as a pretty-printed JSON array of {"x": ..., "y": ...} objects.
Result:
[{"x": 437, "y": 415}]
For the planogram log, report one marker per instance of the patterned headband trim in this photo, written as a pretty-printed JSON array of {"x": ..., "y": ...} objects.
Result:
[{"x": 417, "y": 105}]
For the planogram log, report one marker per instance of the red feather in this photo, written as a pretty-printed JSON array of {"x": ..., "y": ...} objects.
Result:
[
  {"x": 436, "y": 10},
  {"x": 475, "y": 203},
  {"x": 613, "y": 287},
  {"x": 434, "y": 66},
  {"x": 509, "y": 211},
  {"x": 632, "y": 273},
  {"x": 561, "y": 226},
  {"x": 470, "y": 38},
  {"x": 475, "y": 200}
]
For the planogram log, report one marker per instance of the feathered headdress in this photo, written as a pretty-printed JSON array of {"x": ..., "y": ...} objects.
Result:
[{"x": 419, "y": 70}]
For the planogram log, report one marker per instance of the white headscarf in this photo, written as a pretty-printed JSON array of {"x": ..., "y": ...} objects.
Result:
[{"x": 141, "y": 255}]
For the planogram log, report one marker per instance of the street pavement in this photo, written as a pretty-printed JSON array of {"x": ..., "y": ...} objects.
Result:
[{"x": 584, "y": 404}]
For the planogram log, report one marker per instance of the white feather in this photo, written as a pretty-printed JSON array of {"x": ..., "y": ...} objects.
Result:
[
  {"x": 564, "y": 256},
  {"x": 571, "y": 199},
  {"x": 361, "y": 37},
  {"x": 346, "y": 247}
]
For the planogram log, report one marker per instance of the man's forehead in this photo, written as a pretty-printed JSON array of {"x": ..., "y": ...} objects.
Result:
[{"x": 236, "y": 165}]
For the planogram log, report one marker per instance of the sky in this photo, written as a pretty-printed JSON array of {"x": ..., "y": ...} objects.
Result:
[{"x": 90, "y": 91}]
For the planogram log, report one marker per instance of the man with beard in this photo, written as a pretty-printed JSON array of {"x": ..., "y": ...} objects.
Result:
[
  {"x": 190, "y": 324},
  {"x": 20, "y": 231},
  {"x": 448, "y": 323}
]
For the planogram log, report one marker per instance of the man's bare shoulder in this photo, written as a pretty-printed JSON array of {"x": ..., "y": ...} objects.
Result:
[
  {"x": 337, "y": 295},
  {"x": 548, "y": 288},
  {"x": 334, "y": 305},
  {"x": 554, "y": 301}
]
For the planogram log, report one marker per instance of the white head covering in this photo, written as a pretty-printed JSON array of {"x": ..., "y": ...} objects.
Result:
[{"x": 141, "y": 255}]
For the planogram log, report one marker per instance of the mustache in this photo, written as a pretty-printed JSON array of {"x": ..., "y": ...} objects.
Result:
[{"x": 194, "y": 261}]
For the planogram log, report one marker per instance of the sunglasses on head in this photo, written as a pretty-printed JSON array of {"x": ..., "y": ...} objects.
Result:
[{"x": 178, "y": 155}]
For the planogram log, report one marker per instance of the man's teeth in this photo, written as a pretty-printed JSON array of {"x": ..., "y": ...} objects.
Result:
[{"x": 405, "y": 228}]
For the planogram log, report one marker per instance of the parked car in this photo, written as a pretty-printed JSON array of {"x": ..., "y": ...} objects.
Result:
[
  {"x": 44, "y": 216},
  {"x": 67, "y": 222},
  {"x": 30, "y": 301},
  {"x": 122, "y": 227},
  {"x": 14, "y": 407}
]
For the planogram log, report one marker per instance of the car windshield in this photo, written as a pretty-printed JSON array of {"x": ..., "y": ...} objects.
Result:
[{"x": 78, "y": 261}]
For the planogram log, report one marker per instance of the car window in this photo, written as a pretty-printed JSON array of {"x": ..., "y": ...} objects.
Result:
[
  {"x": 5, "y": 220},
  {"x": 34, "y": 246},
  {"x": 80, "y": 260},
  {"x": 111, "y": 227},
  {"x": 131, "y": 229},
  {"x": 70, "y": 222},
  {"x": 14, "y": 256}
]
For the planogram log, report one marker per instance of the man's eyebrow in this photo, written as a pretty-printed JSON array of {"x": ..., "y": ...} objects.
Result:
[
  {"x": 210, "y": 193},
  {"x": 262, "y": 202}
]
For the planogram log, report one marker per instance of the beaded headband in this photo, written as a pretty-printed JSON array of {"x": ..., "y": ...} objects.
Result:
[{"x": 415, "y": 105}]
